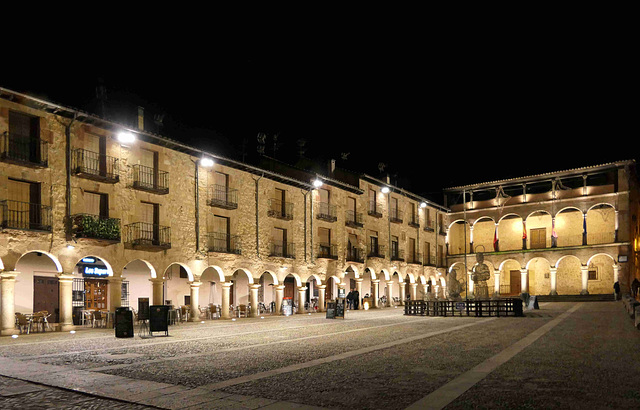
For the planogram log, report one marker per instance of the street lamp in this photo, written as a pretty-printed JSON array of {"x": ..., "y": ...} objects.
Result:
[
  {"x": 317, "y": 183},
  {"x": 125, "y": 137},
  {"x": 206, "y": 162}
]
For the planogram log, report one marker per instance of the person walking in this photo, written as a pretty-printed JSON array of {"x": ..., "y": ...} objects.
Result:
[
  {"x": 616, "y": 288},
  {"x": 356, "y": 299},
  {"x": 350, "y": 299},
  {"x": 634, "y": 287}
]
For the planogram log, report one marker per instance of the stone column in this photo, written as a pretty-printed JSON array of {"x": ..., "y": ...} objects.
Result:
[
  {"x": 524, "y": 288},
  {"x": 114, "y": 288},
  {"x": 279, "y": 298},
  {"x": 7, "y": 292},
  {"x": 585, "y": 280},
  {"x": 194, "y": 312},
  {"x": 157, "y": 291},
  {"x": 376, "y": 293},
  {"x": 553, "y": 275},
  {"x": 359, "y": 289},
  {"x": 390, "y": 298},
  {"x": 414, "y": 291},
  {"x": 253, "y": 299},
  {"x": 65, "y": 282},
  {"x": 470, "y": 282},
  {"x": 302, "y": 291},
  {"x": 226, "y": 292},
  {"x": 321, "y": 294},
  {"x": 496, "y": 286},
  {"x": 616, "y": 273}
]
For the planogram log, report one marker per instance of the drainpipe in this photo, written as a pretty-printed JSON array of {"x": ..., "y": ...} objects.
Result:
[
  {"x": 197, "y": 208},
  {"x": 256, "y": 181}
]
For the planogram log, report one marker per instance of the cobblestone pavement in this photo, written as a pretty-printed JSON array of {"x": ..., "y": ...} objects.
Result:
[{"x": 563, "y": 355}]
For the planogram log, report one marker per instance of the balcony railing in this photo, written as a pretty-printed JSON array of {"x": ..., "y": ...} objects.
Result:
[
  {"x": 25, "y": 216},
  {"x": 414, "y": 258},
  {"x": 282, "y": 249},
  {"x": 327, "y": 251},
  {"x": 327, "y": 212},
  {"x": 395, "y": 215},
  {"x": 150, "y": 179},
  {"x": 414, "y": 220},
  {"x": 397, "y": 254},
  {"x": 222, "y": 196},
  {"x": 354, "y": 219},
  {"x": 429, "y": 226},
  {"x": 375, "y": 209},
  {"x": 223, "y": 243},
  {"x": 355, "y": 255},
  {"x": 280, "y": 210},
  {"x": 23, "y": 149},
  {"x": 95, "y": 227},
  {"x": 95, "y": 166},
  {"x": 375, "y": 251},
  {"x": 147, "y": 235}
]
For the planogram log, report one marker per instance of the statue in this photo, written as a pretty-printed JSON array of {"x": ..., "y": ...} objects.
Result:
[
  {"x": 454, "y": 287},
  {"x": 480, "y": 275}
]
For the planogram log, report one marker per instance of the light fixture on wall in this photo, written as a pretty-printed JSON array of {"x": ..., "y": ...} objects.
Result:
[
  {"x": 385, "y": 190},
  {"x": 317, "y": 183},
  {"x": 126, "y": 137},
  {"x": 206, "y": 162}
]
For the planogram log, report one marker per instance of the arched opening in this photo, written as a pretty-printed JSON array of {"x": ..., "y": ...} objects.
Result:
[
  {"x": 569, "y": 276},
  {"x": 312, "y": 293},
  {"x": 90, "y": 297},
  {"x": 239, "y": 292},
  {"x": 511, "y": 278},
  {"x": 601, "y": 224},
  {"x": 138, "y": 274},
  {"x": 267, "y": 293},
  {"x": 37, "y": 287},
  {"x": 210, "y": 293},
  {"x": 539, "y": 276},
  {"x": 600, "y": 274},
  {"x": 568, "y": 227},
  {"x": 397, "y": 289},
  {"x": 177, "y": 291}
]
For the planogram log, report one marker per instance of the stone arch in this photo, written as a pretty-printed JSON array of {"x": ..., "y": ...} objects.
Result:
[
  {"x": 568, "y": 208},
  {"x": 538, "y": 275},
  {"x": 218, "y": 271},
  {"x": 249, "y": 275},
  {"x": 103, "y": 260},
  {"x": 386, "y": 274},
  {"x": 55, "y": 260},
  {"x": 152, "y": 270},
  {"x": 273, "y": 276},
  {"x": 569, "y": 275},
  {"x": 484, "y": 218},
  {"x": 371, "y": 271},
  {"x": 604, "y": 266},
  {"x": 613, "y": 260},
  {"x": 185, "y": 267},
  {"x": 504, "y": 262},
  {"x": 356, "y": 273}
]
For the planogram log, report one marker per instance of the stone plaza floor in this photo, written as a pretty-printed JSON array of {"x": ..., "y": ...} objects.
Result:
[{"x": 564, "y": 355}]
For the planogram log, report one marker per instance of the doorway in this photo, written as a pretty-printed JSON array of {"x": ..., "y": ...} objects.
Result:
[{"x": 46, "y": 296}]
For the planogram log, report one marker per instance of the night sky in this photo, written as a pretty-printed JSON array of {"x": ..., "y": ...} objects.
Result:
[{"x": 436, "y": 116}]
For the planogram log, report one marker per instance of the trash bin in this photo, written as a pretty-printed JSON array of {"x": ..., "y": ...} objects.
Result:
[{"x": 123, "y": 322}]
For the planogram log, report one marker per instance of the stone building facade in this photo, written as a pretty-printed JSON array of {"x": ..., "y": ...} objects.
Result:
[
  {"x": 568, "y": 232},
  {"x": 98, "y": 215}
]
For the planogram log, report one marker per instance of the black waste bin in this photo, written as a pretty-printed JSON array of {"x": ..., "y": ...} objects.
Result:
[{"x": 123, "y": 322}]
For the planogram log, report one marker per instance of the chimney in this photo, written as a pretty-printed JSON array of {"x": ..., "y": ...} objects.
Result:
[
  {"x": 332, "y": 166},
  {"x": 141, "y": 118}
]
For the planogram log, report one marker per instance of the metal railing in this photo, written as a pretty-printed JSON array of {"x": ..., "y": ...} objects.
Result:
[
  {"x": 355, "y": 254},
  {"x": 93, "y": 164},
  {"x": 327, "y": 251},
  {"x": 95, "y": 227},
  {"x": 397, "y": 254},
  {"x": 147, "y": 234},
  {"x": 395, "y": 215},
  {"x": 282, "y": 249},
  {"x": 150, "y": 179},
  {"x": 354, "y": 219},
  {"x": 414, "y": 258},
  {"x": 327, "y": 212},
  {"x": 222, "y": 196},
  {"x": 375, "y": 251},
  {"x": 375, "y": 209},
  {"x": 25, "y": 215},
  {"x": 429, "y": 226},
  {"x": 23, "y": 149},
  {"x": 280, "y": 210},
  {"x": 414, "y": 220},
  {"x": 223, "y": 243}
]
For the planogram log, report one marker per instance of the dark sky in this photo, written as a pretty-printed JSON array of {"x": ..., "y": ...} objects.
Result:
[{"x": 437, "y": 116}]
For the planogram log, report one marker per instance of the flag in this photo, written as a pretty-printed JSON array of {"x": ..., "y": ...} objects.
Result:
[
  {"x": 495, "y": 239},
  {"x": 554, "y": 234},
  {"x": 524, "y": 230}
]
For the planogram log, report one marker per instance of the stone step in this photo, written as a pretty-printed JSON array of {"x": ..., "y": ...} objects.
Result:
[{"x": 576, "y": 298}]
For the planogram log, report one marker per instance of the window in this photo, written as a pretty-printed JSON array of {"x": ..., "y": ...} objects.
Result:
[
  {"x": 593, "y": 273},
  {"x": 538, "y": 238},
  {"x": 96, "y": 204}
]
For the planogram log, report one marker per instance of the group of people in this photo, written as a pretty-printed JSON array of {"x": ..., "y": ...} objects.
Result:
[
  {"x": 635, "y": 286},
  {"x": 353, "y": 299}
]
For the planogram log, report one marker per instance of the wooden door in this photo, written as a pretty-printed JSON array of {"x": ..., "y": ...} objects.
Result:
[
  {"x": 46, "y": 296},
  {"x": 289, "y": 288},
  {"x": 95, "y": 291},
  {"x": 515, "y": 280},
  {"x": 328, "y": 293},
  {"x": 538, "y": 238}
]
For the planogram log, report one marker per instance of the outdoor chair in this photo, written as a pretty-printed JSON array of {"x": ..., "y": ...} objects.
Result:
[
  {"x": 23, "y": 323},
  {"x": 184, "y": 314},
  {"x": 242, "y": 310},
  {"x": 98, "y": 319},
  {"x": 213, "y": 311}
]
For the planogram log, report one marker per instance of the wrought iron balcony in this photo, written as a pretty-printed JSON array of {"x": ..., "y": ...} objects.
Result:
[
  {"x": 375, "y": 209},
  {"x": 150, "y": 179},
  {"x": 221, "y": 196},
  {"x": 354, "y": 219},
  {"x": 25, "y": 150},
  {"x": 395, "y": 215},
  {"x": 282, "y": 249},
  {"x": 280, "y": 210},
  {"x": 223, "y": 243},
  {"x": 95, "y": 166},
  {"x": 327, "y": 212},
  {"x": 327, "y": 251},
  {"x": 414, "y": 220},
  {"x": 355, "y": 254},
  {"x": 429, "y": 226},
  {"x": 375, "y": 251},
  {"x": 397, "y": 254},
  {"x": 25, "y": 216},
  {"x": 414, "y": 258},
  {"x": 147, "y": 236},
  {"x": 95, "y": 227}
]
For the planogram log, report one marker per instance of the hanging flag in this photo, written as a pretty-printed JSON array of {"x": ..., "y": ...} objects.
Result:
[
  {"x": 554, "y": 234},
  {"x": 495, "y": 239},
  {"x": 524, "y": 230}
]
